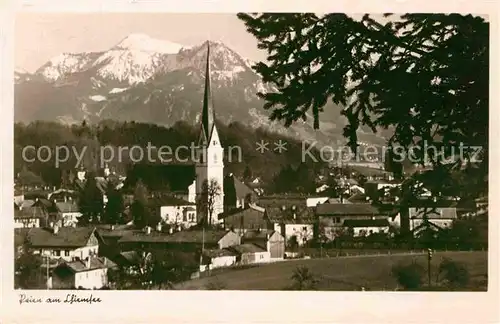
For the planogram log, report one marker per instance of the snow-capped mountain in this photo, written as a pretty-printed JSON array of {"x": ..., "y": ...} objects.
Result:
[{"x": 155, "y": 81}]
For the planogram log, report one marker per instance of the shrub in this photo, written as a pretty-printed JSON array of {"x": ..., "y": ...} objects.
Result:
[
  {"x": 454, "y": 273},
  {"x": 410, "y": 276},
  {"x": 303, "y": 279},
  {"x": 216, "y": 284}
]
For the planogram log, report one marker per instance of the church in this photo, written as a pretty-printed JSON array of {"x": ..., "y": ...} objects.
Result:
[
  {"x": 209, "y": 158},
  {"x": 190, "y": 180}
]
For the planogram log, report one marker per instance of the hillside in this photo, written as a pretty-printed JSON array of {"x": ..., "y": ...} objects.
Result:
[{"x": 239, "y": 142}]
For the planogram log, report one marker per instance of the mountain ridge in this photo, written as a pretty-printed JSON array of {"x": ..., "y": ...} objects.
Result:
[{"x": 143, "y": 79}]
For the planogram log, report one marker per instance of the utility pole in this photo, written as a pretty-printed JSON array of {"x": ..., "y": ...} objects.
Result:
[
  {"x": 47, "y": 282},
  {"x": 429, "y": 258}
]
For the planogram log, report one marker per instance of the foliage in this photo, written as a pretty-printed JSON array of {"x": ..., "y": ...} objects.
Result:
[
  {"x": 303, "y": 279},
  {"x": 140, "y": 208},
  {"x": 293, "y": 243},
  {"x": 454, "y": 273},
  {"x": 127, "y": 134},
  {"x": 28, "y": 269},
  {"x": 157, "y": 269},
  {"x": 114, "y": 207},
  {"x": 423, "y": 77},
  {"x": 300, "y": 179},
  {"x": 211, "y": 190},
  {"x": 90, "y": 202},
  {"x": 410, "y": 276}
]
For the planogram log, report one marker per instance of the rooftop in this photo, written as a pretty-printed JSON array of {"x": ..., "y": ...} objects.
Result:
[
  {"x": 195, "y": 236},
  {"x": 247, "y": 248},
  {"x": 291, "y": 215},
  {"x": 347, "y": 209},
  {"x": 81, "y": 265},
  {"x": 65, "y": 237}
]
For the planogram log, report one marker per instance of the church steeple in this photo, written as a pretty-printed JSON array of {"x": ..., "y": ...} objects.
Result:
[{"x": 207, "y": 114}]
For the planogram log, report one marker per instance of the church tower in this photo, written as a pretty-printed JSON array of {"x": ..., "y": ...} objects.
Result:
[{"x": 210, "y": 154}]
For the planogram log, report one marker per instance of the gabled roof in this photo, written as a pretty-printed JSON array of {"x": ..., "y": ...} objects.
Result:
[
  {"x": 282, "y": 200},
  {"x": 433, "y": 213},
  {"x": 195, "y": 236},
  {"x": 289, "y": 215},
  {"x": 250, "y": 210},
  {"x": 81, "y": 265},
  {"x": 366, "y": 223},
  {"x": 241, "y": 190},
  {"x": 66, "y": 237},
  {"x": 30, "y": 212},
  {"x": 218, "y": 253},
  {"x": 257, "y": 235},
  {"x": 67, "y": 207},
  {"x": 247, "y": 248},
  {"x": 347, "y": 210},
  {"x": 165, "y": 200}
]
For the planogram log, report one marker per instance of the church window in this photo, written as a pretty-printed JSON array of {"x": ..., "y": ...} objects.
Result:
[
  {"x": 215, "y": 158},
  {"x": 215, "y": 142}
]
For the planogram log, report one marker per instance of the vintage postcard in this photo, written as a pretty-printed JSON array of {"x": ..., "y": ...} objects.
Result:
[{"x": 304, "y": 156}]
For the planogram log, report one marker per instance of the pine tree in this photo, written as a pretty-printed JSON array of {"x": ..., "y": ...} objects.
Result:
[
  {"x": 90, "y": 202},
  {"x": 114, "y": 207},
  {"x": 140, "y": 206},
  {"x": 422, "y": 77}
]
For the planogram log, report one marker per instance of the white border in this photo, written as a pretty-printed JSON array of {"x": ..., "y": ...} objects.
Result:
[{"x": 239, "y": 307}]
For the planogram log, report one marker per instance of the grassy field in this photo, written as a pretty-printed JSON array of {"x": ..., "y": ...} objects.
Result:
[{"x": 345, "y": 273}]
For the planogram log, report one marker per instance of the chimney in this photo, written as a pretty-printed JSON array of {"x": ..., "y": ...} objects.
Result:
[
  {"x": 148, "y": 230},
  {"x": 171, "y": 230},
  {"x": 56, "y": 229},
  {"x": 65, "y": 198},
  {"x": 88, "y": 261},
  {"x": 112, "y": 227},
  {"x": 158, "y": 227}
]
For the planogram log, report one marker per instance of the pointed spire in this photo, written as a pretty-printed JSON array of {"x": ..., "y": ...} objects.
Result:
[{"x": 208, "y": 114}]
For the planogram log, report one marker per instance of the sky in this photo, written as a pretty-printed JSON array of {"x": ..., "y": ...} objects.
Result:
[{"x": 41, "y": 36}]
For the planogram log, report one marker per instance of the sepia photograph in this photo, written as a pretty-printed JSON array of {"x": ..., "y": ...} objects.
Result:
[{"x": 251, "y": 151}]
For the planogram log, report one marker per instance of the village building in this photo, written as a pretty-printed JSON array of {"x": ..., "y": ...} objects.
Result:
[
  {"x": 270, "y": 240},
  {"x": 332, "y": 218},
  {"x": 292, "y": 222},
  {"x": 249, "y": 253},
  {"x": 189, "y": 240},
  {"x": 91, "y": 273},
  {"x": 68, "y": 212},
  {"x": 251, "y": 217},
  {"x": 175, "y": 211},
  {"x": 67, "y": 243}
]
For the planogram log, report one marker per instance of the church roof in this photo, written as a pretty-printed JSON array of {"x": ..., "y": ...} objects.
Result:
[{"x": 207, "y": 114}]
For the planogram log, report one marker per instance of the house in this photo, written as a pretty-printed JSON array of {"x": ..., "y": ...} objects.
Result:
[
  {"x": 249, "y": 253},
  {"x": 272, "y": 241},
  {"x": 442, "y": 217},
  {"x": 63, "y": 195},
  {"x": 236, "y": 193},
  {"x": 68, "y": 211},
  {"x": 190, "y": 240},
  {"x": 217, "y": 258},
  {"x": 365, "y": 227},
  {"x": 373, "y": 187},
  {"x": 240, "y": 220},
  {"x": 369, "y": 173},
  {"x": 332, "y": 217},
  {"x": 91, "y": 273},
  {"x": 29, "y": 217},
  {"x": 175, "y": 211},
  {"x": 67, "y": 243},
  {"x": 292, "y": 221}
]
